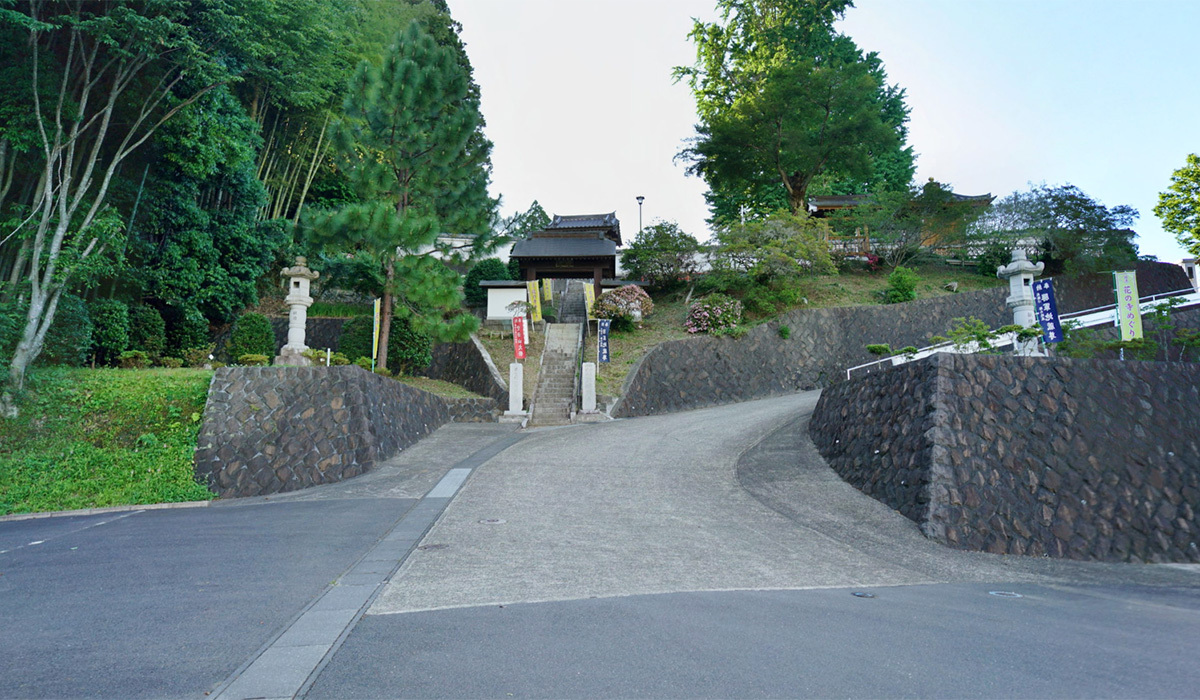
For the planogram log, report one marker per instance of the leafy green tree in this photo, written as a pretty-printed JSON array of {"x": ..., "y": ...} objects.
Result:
[
  {"x": 1072, "y": 232},
  {"x": 147, "y": 332},
  {"x": 489, "y": 269},
  {"x": 778, "y": 249},
  {"x": 902, "y": 286},
  {"x": 409, "y": 350},
  {"x": 905, "y": 222},
  {"x": 411, "y": 145},
  {"x": 662, "y": 254},
  {"x": 1179, "y": 206},
  {"x": 786, "y": 104}
]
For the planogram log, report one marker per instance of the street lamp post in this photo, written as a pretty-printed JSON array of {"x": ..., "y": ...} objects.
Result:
[{"x": 640, "y": 199}]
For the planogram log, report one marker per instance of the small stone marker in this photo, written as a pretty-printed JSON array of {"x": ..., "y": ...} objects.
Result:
[
  {"x": 589, "y": 387},
  {"x": 516, "y": 386}
]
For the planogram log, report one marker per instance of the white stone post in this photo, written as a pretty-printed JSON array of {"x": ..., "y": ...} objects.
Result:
[
  {"x": 516, "y": 390},
  {"x": 589, "y": 387},
  {"x": 1020, "y": 273},
  {"x": 298, "y": 300}
]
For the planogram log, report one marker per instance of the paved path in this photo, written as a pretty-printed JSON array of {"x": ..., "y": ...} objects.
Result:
[{"x": 708, "y": 553}]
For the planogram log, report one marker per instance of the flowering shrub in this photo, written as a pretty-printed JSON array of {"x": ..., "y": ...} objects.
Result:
[
  {"x": 620, "y": 303},
  {"x": 713, "y": 314}
]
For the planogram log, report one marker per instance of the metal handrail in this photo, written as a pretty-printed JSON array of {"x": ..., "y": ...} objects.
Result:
[{"x": 1010, "y": 338}]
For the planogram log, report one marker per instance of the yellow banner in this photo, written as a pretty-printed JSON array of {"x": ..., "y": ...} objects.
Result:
[
  {"x": 1129, "y": 311},
  {"x": 589, "y": 297},
  {"x": 375, "y": 334},
  {"x": 535, "y": 301},
  {"x": 547, "y": 290}
]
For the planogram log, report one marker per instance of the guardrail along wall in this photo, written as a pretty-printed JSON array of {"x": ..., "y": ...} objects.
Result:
[
  {"x": 703, "y": 371},
  {"x": 1081, "y": 459}
]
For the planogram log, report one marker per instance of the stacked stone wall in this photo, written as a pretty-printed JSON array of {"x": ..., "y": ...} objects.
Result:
[
  {"x": 704, "y": 371},
  {"x": 469, "y": 366},
  {"x": 274, "y": 429},
  {"x": 1080, "y": 459}
]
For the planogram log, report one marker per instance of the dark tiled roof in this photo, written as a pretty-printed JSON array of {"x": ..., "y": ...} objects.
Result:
[
  {"x": 608, "y": 220},
  {"x": 842, "y": 201},
  {"x": 564, "y": 248}
]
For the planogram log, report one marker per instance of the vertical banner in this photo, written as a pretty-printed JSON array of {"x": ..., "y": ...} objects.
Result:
[
  {"x": 589, "y": 298},
  {"x": 1129, "y": 312},
  {"x": 602, "y": 339},
  {"x": 375, "y": 336},
  {"x": 1047, "y": 311},
  {"x": 519, "y": 337},
  {"x": 547, "y": 290},
  {"x": 535, "y": 301}
]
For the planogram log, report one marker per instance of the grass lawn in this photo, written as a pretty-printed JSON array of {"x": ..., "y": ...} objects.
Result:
[
  {"x": 500, "y": 347},
  {"x": 437, "y": 386},
  {"x": 104, "y": 437}
]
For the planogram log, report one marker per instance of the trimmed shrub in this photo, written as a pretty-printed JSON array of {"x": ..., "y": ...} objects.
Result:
[
  {"x": 254, "y": 360},
  {"x": 902, "y": 286},
  {"x": 252, "y": 335},
  {"x": 620, "y": 303},
  {"x": 70, "y": 336},
  {"x": 110, "y": 331},
  {"x": 713, "y": 314},
  {"x": 170, "y": 362},
  {"x": 147, "y": 332},
  {"x": 198, "y": 357},
  {"x": 408, "y": 350},
  {"x": 134, "y": 359},
  {"x": 187, "y": 329},
  {"x": 490, "y": 269}
]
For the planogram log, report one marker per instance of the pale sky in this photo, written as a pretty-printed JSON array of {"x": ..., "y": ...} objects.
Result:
[{"x": 580, "y": 103}]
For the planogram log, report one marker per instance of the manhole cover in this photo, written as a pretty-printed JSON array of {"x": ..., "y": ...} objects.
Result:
[
  {"x": 863, "y": 594},
  {"x": 492, "y": 521},
  {"x": 428, "y": 547},
  {"x": 1005, "y": 594}
]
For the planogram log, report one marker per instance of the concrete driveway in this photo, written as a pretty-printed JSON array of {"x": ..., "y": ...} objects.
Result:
[{"x": 702, "y": 554}]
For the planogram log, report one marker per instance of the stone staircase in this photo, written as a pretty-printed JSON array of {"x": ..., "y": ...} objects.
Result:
[
  {"x": 573, "y": 307},
  {"x": 554, "y": 398}
]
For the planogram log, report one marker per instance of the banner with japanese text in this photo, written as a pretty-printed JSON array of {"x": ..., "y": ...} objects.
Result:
[
  {"x": 535, "y": 301},
  {"x": 1129, "y": 311},
  {"x": 519, "y": 337},
  {"x": 589, "y": 298},
  {"x": 547, "y": 290},
  {"x": 375, "y": 334},
  {"x": 1046, "y": 308},
  {"x": 602, "y": 339}
]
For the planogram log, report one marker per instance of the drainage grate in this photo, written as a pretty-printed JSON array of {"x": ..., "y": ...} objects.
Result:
[
  {"x": 492, "y": 521},
  {"x": 862, "y": 594}
]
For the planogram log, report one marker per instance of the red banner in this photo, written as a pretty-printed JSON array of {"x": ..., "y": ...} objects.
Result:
[{"x": 519, "y": 336}]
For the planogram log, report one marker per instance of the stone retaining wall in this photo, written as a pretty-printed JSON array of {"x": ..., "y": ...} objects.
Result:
[
  {"x": 469, "y": 366},
  {"x": 474, "y": 410},
  {"x": 273, "y": 429},
  {"x": 703, "y": 371},
  {"x": 1081, "y": 459}
]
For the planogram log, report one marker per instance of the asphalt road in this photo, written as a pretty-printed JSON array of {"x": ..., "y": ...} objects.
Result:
[{"x": 702, "y": 554}]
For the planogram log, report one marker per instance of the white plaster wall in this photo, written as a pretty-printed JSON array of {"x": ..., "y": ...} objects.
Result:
[{"x": 501, "y": 297}]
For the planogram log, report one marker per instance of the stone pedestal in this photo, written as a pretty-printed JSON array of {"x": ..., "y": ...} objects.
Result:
[
  {"x": 298, "y": 300},
  {"x": 516, "y": 399},
  {"x": 589, "y": 388},
  {"x": 1020, "y": 273}
]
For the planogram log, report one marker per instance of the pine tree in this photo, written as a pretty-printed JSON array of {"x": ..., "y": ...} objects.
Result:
[{"x": 412, "y": 145}]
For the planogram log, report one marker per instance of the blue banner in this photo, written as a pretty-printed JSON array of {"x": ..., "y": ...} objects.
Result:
[
  {"x": 1046, "y": 309},
  {"x": 602, "y": 339}
]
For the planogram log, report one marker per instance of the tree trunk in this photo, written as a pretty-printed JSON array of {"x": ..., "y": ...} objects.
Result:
[
  {"x": 385, "y": 315},
  {"x": 42, "y": 306}
]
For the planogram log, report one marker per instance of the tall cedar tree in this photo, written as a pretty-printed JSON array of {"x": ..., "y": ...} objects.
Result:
[{"x": 411, "y": 144}]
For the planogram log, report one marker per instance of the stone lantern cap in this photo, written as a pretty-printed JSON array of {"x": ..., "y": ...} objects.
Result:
[
  {"x": 300, "y": 269},
  {"x": 1020, "y": 265}
]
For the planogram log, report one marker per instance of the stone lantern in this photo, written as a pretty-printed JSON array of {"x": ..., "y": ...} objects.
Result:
[
  {"x": 298, "y": 300},
  {"x": 1020, "y": 273}
]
